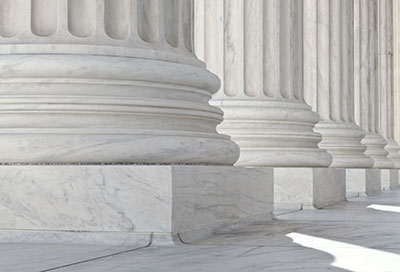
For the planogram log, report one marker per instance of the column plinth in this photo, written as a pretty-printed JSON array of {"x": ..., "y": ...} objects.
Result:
[
  {"x": 343, "y": 142},
  {"x": 273, "y": 133},
  {"x": 106, "y": 82}
]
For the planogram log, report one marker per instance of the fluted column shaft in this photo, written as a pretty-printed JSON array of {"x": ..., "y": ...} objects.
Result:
[
  {"x": 328, "y": 53},
  {"x": 386, "y": 84},
  {"x": 255, "y": 47},
  {"x": 105, "y": 81},
  {"x": 366, "y": 81},
  {"x": 396, "y": 70}
]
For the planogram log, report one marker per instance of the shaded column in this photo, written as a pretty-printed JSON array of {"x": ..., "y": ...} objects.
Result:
[
  {"x": 105, "y": 81},
  {"x": 366, "y": 81},
  {"x": 256, "y": 48},
  {"x": 386, "y": 84},
  {"x": 328, "y": 54}
]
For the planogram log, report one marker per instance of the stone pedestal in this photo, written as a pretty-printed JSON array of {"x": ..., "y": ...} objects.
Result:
[
  {"x": 126, "y": 204},
  {"x": 385, "y": 179},
  {"x": 91, "y": 87},
  {"x": 361, "y": 182},
  {"x": 394, "y": 179},
  {"x": 297, "y": 188}
]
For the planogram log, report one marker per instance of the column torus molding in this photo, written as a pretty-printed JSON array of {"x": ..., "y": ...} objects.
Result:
[
  {"x": 367, "y": 107},
  {"x": 255, "y": 47},
  {"x": 328, "y": 79},
  {"x": 105, "y": 81}
]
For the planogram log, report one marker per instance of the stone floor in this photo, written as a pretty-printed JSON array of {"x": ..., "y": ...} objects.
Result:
[{"x": 360, "y": 235}]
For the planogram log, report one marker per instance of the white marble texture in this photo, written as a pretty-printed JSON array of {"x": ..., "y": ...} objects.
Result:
[
  {"x": 255, "y": 47},
  {"x": 394, "y": 179},
  {"x": 359, "y": 230},
  {"x": 295, "y": 188},
  {"x": 361, "y": 182},
  {"x": 118, "y": 83},
  {"x": 366, "y": 80},
  {"x": 386, "y": 79},
  {"x": 328, "y": 59},
  {"x": 385, "y": 179},
  {"x": 124, "y": 204}
]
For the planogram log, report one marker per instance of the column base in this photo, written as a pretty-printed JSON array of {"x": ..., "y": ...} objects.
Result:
[
  {"x": 376, "y": 150},
  {"x": 273, "y": 133},
  {"x": 129, "y": 204},
  {"x": 361, "y": 182},
  {"x": 394, "y": 152},
  {"x": 104, "y": 109},
  {"x": 343, "y": 142},
  {"x": 297, "y": 188}
]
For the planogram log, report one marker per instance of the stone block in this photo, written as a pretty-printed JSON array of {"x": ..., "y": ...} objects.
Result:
[
  {"x": 361, "y": 182},
  {"x": 296, "y": 188},
  {"x": 394, "y": 179},
  {"x": 128, "y": 204}
]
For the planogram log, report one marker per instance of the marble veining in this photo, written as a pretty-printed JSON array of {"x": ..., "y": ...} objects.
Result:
[{"x": 261, "y": 247}]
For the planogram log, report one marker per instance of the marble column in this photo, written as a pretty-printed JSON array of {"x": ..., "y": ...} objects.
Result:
[
  {"x": 328, "y": 56},
  {"x": 367, "y": 108},
  {"x": 256, "y": 48},
  {"x": 386, "y": 85},
  {"x": 105, "y": 81}
]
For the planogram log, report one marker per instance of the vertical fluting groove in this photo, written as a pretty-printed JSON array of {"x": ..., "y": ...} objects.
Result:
[
  {"x": 272, "y": 49},
  {"x": 133, "y": 22},
  {"x": 199, "y": 28},
  {"x": 310, "y": 52},
  {"x": 390, "y": 77},
  {"x": 346, "y": 11},
  {"x": 323, "y": 59},
  {"x": 396, "y": 70},
  {"x": 116, "y": 18},
  {"x": 186, "y": 14},
  {"x": 350, "y": 29},
  {"x": 81, "y": 17},
  {"x": 382, "y": 68},
  {"x": 357, "y": 63},
  {"x": 214, "y": 37},
  {"x": 253, "y": 47},
  {"x": 334, "y": 59},
  {"x": 44, "y": 17},
  {"x": 298, "y": 59},
  {"x": 286, "y": 42},
  {"x": 148, "y": 20},
  {"x": 11, "y": 17},
  {"x": 364, "y": 66},
  {"x": 374, "y": 94},
  {"x": 233, "y": 47},
  {"x": 171, "y": 22}
]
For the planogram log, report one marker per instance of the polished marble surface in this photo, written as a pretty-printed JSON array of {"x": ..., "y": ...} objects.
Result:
[
  {"x": 360, "y": 235},
  {"x": 124, "y": 204}
]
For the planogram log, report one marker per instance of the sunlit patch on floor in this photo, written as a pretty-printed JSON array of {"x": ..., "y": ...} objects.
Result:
[
  {"x": 350, "y": 257},
  {"x": 386, "y": 208}
]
